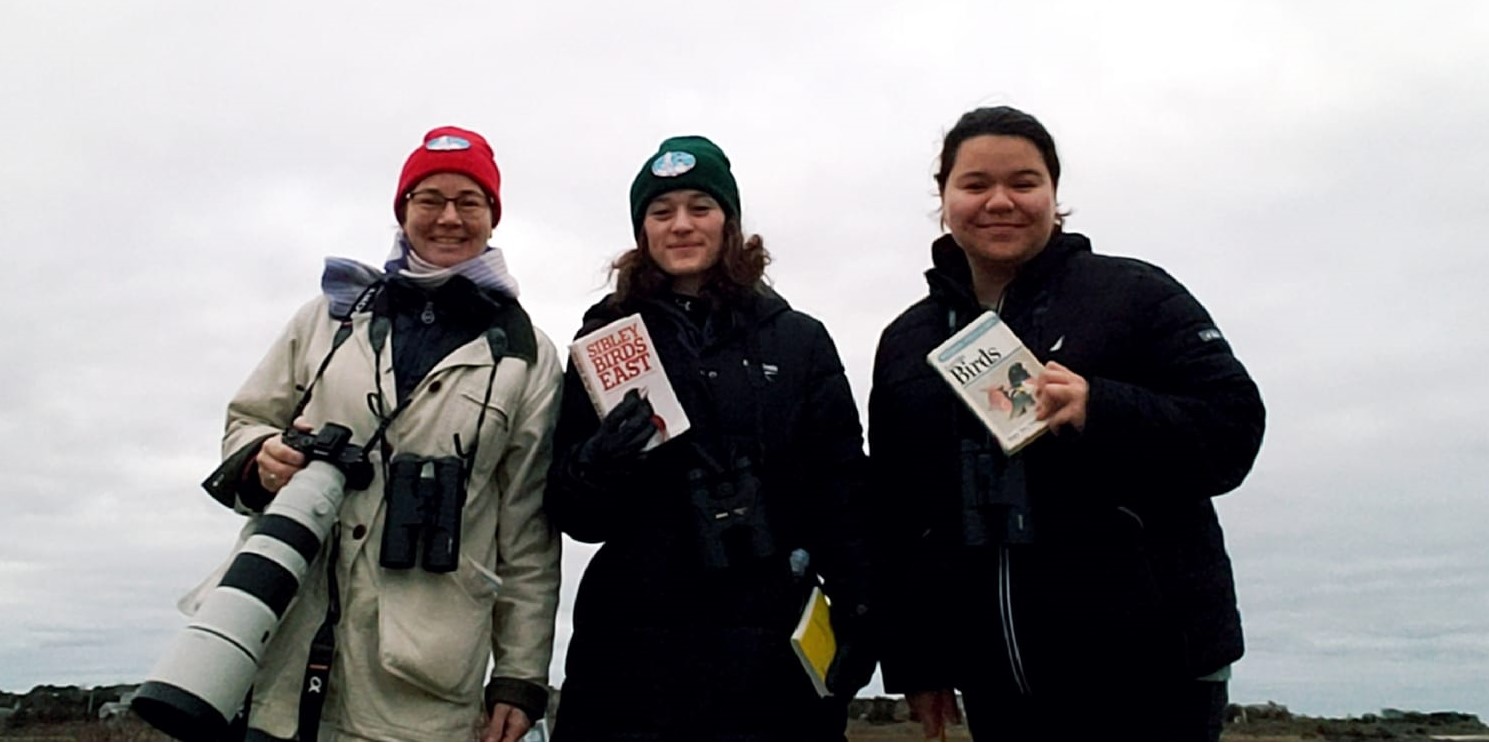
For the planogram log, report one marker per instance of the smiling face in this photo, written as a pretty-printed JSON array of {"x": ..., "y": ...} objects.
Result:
[
  {"x": 999, "y": 202},
  {"x": 447, "y": 219},
  {"x": 684, "y": 236}
]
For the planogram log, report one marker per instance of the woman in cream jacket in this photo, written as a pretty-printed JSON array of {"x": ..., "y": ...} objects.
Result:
[{"x": 432, "y": 359}]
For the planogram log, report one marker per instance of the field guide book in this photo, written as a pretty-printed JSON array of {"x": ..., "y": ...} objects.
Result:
[
  {"x": 994, "y": 374},
  {"x": 813, "y": 640},
  {"x": 621, "y": 357}
]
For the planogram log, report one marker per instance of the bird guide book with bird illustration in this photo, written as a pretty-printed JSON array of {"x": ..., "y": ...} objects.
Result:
[
  {"x": 621, "y": 357},
  {"x": 814, "y": 642},
  {"x": 994, "y": 373}
]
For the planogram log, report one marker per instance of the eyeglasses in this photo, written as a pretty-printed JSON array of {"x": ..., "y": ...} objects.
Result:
[{"x": 431, "y": 201}]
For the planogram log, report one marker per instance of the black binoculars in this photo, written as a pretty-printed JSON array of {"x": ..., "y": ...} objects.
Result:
[
  {"x": 425, "y": 498},
  {"x": 995, "y": 496},
  {"x": 730, "y": 515}
]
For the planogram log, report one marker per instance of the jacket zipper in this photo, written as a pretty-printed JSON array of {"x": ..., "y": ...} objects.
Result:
[
  {"x": 1005, "y": 576},
  {"x": 1005, "y": 612}
]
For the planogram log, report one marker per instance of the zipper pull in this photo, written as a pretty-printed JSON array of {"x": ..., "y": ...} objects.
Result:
[{"x": 428, "y": 314}]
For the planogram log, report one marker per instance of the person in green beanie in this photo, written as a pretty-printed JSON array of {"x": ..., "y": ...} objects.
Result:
[{"x": 713, "y": 539}]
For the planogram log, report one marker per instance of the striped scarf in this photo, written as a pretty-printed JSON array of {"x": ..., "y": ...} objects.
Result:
[{"x": 344, "y": 279}]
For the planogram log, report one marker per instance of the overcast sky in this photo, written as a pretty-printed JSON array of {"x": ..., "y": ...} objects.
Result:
[{"x": 172, "y": 175}]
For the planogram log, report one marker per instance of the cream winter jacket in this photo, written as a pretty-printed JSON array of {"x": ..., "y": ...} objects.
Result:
[{"x": 412, "y": 647}]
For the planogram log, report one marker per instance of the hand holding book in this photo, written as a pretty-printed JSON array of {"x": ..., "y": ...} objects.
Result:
[
  {"x": 834, "y": 644},
  {"x": 994, "y": 374},
  {"x": 853, "y": 665},
  {"x": 620, "y": 438},
  {"x": 1060, "y": 397},
  {"x": 619, "y": 361}
]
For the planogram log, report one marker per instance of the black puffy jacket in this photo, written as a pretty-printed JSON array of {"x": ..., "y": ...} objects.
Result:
[
  {"x": 705, "y": 650},
  {"x": 1125, "y": 573}
]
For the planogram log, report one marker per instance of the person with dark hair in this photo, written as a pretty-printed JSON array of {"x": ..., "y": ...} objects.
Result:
[
  {"x": 451, "y": 394},
  {"x": 683, "y": 619},
  {"x": 1079, "y": 588}
]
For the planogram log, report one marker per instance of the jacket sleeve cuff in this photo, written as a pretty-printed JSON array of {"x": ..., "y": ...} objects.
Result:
[
  {"x": 525, "y": 695},
  {"x": 235, "y": 482}
]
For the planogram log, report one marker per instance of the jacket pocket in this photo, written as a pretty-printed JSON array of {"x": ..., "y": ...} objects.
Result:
[
  {"x": 496, "y": 407},
  {"x": 495, "y": 431},
  {"x": 434, "y": 629}
]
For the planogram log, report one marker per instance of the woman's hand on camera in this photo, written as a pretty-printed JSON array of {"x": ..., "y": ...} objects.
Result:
[
  {"x": 277, "y": 462},
  {"x": 1060, "y": 397}
]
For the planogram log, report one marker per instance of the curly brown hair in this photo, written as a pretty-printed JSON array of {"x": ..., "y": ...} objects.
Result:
[{"x": 740, "y": 270}]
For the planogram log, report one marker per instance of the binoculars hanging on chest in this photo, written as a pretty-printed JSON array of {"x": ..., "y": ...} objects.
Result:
[
  {"x": 421, "y": 525},
  {"x": 995, "y": 496},
  {"x": 730, "y": 515}
]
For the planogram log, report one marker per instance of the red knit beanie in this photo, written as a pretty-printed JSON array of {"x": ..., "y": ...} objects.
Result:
[{"x": 450, "y": 149}]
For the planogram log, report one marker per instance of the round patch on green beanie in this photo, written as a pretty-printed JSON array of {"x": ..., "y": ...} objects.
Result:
[
  {"x": 672, "y": 164},
  {"x": 690, "y": 162}
]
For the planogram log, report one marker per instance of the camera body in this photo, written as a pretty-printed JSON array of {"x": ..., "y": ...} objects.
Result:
[
  {"x": 332, "y": 444},
  {"x": 730, "y": 515},
  {"x": 425, "y": 500}
]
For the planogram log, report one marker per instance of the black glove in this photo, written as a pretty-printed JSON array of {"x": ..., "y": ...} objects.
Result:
[
  {"x": 615, "y": 445},
  {"x": 853, "y": 665}
]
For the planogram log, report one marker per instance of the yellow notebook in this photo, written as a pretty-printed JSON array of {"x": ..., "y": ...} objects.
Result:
[{"x": 813, "y": 640}]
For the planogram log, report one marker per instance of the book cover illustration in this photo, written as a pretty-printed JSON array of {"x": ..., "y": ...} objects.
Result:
[
  {"x": 620, "y": 357},
  {"x": 994, "y": 373},
  {"x": 813, "y": 640}
]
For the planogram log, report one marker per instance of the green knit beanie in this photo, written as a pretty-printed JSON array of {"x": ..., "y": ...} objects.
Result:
[{"x": 684, "y": 162}]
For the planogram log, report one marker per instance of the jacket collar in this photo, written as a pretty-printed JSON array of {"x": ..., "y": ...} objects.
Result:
[
  {"x": 950, "y": 276},
  {"x": 458, "y": 299},
  {"x": 752, "y": 311},
  {"x": 462, "y": 301}
]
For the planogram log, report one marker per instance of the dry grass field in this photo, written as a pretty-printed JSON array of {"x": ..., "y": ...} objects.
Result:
[
  {"x": 126, "y": 729},
  {"x": 858, "y": 730},
  {"x": 136, "y": 730},
  {"x": 1297, "y": 728}
]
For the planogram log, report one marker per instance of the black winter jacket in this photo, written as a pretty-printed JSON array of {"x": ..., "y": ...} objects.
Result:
[
  {"x": 705, "y": 649},
  {"x": 1125, "y": 573}
]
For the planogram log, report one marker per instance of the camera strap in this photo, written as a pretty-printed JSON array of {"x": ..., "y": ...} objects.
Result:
[
  {"x": 343, "y": 332},
  {"x": 322, "y": 650}
]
